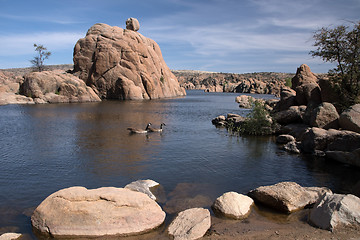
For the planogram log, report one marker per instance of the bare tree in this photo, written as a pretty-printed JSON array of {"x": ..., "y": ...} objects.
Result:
[{"x": 42, "y": 54}]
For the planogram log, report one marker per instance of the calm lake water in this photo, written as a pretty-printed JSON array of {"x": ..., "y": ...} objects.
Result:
[{"x": 44, "y": 148}]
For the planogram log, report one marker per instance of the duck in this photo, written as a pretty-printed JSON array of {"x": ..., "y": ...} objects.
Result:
[
  {"x": 150, "y": 129},
  {"x": 137, "y": 130}
]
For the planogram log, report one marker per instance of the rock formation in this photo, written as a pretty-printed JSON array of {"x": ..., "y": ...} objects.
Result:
[
  {"x": 9, "y": 90},
  {"x": 56, "y": 87},
  {"x": 123, "y": 64},
  {"x": 80, "y": 212}
]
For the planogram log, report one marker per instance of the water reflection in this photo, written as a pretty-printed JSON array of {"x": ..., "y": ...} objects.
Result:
[{"x": 110, "y": 148}]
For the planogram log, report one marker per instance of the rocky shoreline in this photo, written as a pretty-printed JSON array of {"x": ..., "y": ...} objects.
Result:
[
  {"x": 309, "y": 121},
  {"x": 133, "y": 212}
]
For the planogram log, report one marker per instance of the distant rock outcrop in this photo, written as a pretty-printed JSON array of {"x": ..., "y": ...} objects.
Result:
[
  {"x": 123, "y": 64},
  {"x": 260, "y": 83}
]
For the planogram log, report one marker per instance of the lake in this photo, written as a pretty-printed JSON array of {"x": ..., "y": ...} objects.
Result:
[{"x": 44, "y": 148}]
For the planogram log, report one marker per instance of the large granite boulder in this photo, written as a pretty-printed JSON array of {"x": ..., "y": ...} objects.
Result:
[
  {"x": 287, "y": 99},
  {"x": 350, "y": 119},
  {"x": 293, "y": 114},
  {"x": 351, "y": 158},
  {"x": 56, "y": 87},
  {"x": 233, "y": 205},
  {"x": 190, "y": 224},
  {"x": 77, "y": 211},
  {"x": 303, "y": 76},
  {"x": 305, "y": 85},
  {"x": 318, "y": 139},
  {"x": 123, "y": 64},
  {"x": 308, "y": 93},
  {"x": 336, "y": 210},
  {"x": 287, "y": 196},
  {"x": 325, "y": 116}
]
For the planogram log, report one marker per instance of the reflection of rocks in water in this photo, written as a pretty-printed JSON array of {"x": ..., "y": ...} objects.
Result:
[
  {"x": 279, "y": 217},
  {"x": 188, "y": 195},
  {"x": 103, "y": 136}
]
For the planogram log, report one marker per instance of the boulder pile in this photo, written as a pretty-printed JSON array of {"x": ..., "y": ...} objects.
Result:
[{"x": 307, "y": 112}]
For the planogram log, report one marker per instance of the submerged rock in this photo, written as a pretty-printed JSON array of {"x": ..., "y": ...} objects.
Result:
[
  {"x": 143, "y": 186},
  {"x": 79, "y": 212},
  {"x": 190, "y": 224}
]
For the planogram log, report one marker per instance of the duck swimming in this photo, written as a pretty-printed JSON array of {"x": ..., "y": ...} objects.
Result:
[
  {"x": 137, "y": 130},
  {"x": 150, "y": 129}
]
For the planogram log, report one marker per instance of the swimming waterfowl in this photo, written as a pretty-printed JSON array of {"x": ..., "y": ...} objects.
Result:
[
  {"x": 150, "y": 129},
  {"x": 137, "y": 130}
]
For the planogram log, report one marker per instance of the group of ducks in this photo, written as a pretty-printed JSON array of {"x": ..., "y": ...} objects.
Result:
[{"x": 147, "y": 129}]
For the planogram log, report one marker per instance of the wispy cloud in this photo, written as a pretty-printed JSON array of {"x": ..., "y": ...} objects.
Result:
[
  {"x": 41, "y": 18},
  {"x": 19, "y": 44}
]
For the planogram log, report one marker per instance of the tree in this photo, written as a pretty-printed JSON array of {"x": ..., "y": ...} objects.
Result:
[
  {"x": 42, "y": 54},
  {"x": 341, "y": 45}
]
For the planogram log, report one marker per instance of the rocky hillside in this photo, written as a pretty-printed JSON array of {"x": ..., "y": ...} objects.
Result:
[{"x": 262, "y": 82}]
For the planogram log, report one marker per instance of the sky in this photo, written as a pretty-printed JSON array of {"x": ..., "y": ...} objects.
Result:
[{"x": 237, "y": 36}]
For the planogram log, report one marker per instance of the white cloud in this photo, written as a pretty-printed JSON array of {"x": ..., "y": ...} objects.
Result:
[{"x": 20, "y": 44}]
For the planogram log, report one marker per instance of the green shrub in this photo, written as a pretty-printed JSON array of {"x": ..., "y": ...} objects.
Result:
[{"x": 257, "y": 122}]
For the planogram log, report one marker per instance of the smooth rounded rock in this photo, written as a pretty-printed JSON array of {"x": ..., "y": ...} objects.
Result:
[
  {"x": 233, "y": 205},
  {"x": 79, "y": 212}
]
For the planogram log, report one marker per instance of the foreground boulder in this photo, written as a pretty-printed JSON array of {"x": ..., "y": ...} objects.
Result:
[
  {"x": 77, "y": 211},
  {"x": 10, "y": 236},
  {"x": 190, "y": 224},
  {"x": 287, "y": 196},
  {"x": 56, "y": 87},
  {"x": 123, "y": 64},
  {"x": 233, "y": 205},
  {"x": 335, "y": 210}
]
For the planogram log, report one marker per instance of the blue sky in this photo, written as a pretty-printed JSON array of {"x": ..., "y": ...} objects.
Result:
[{"x": 211, "y": 35}]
